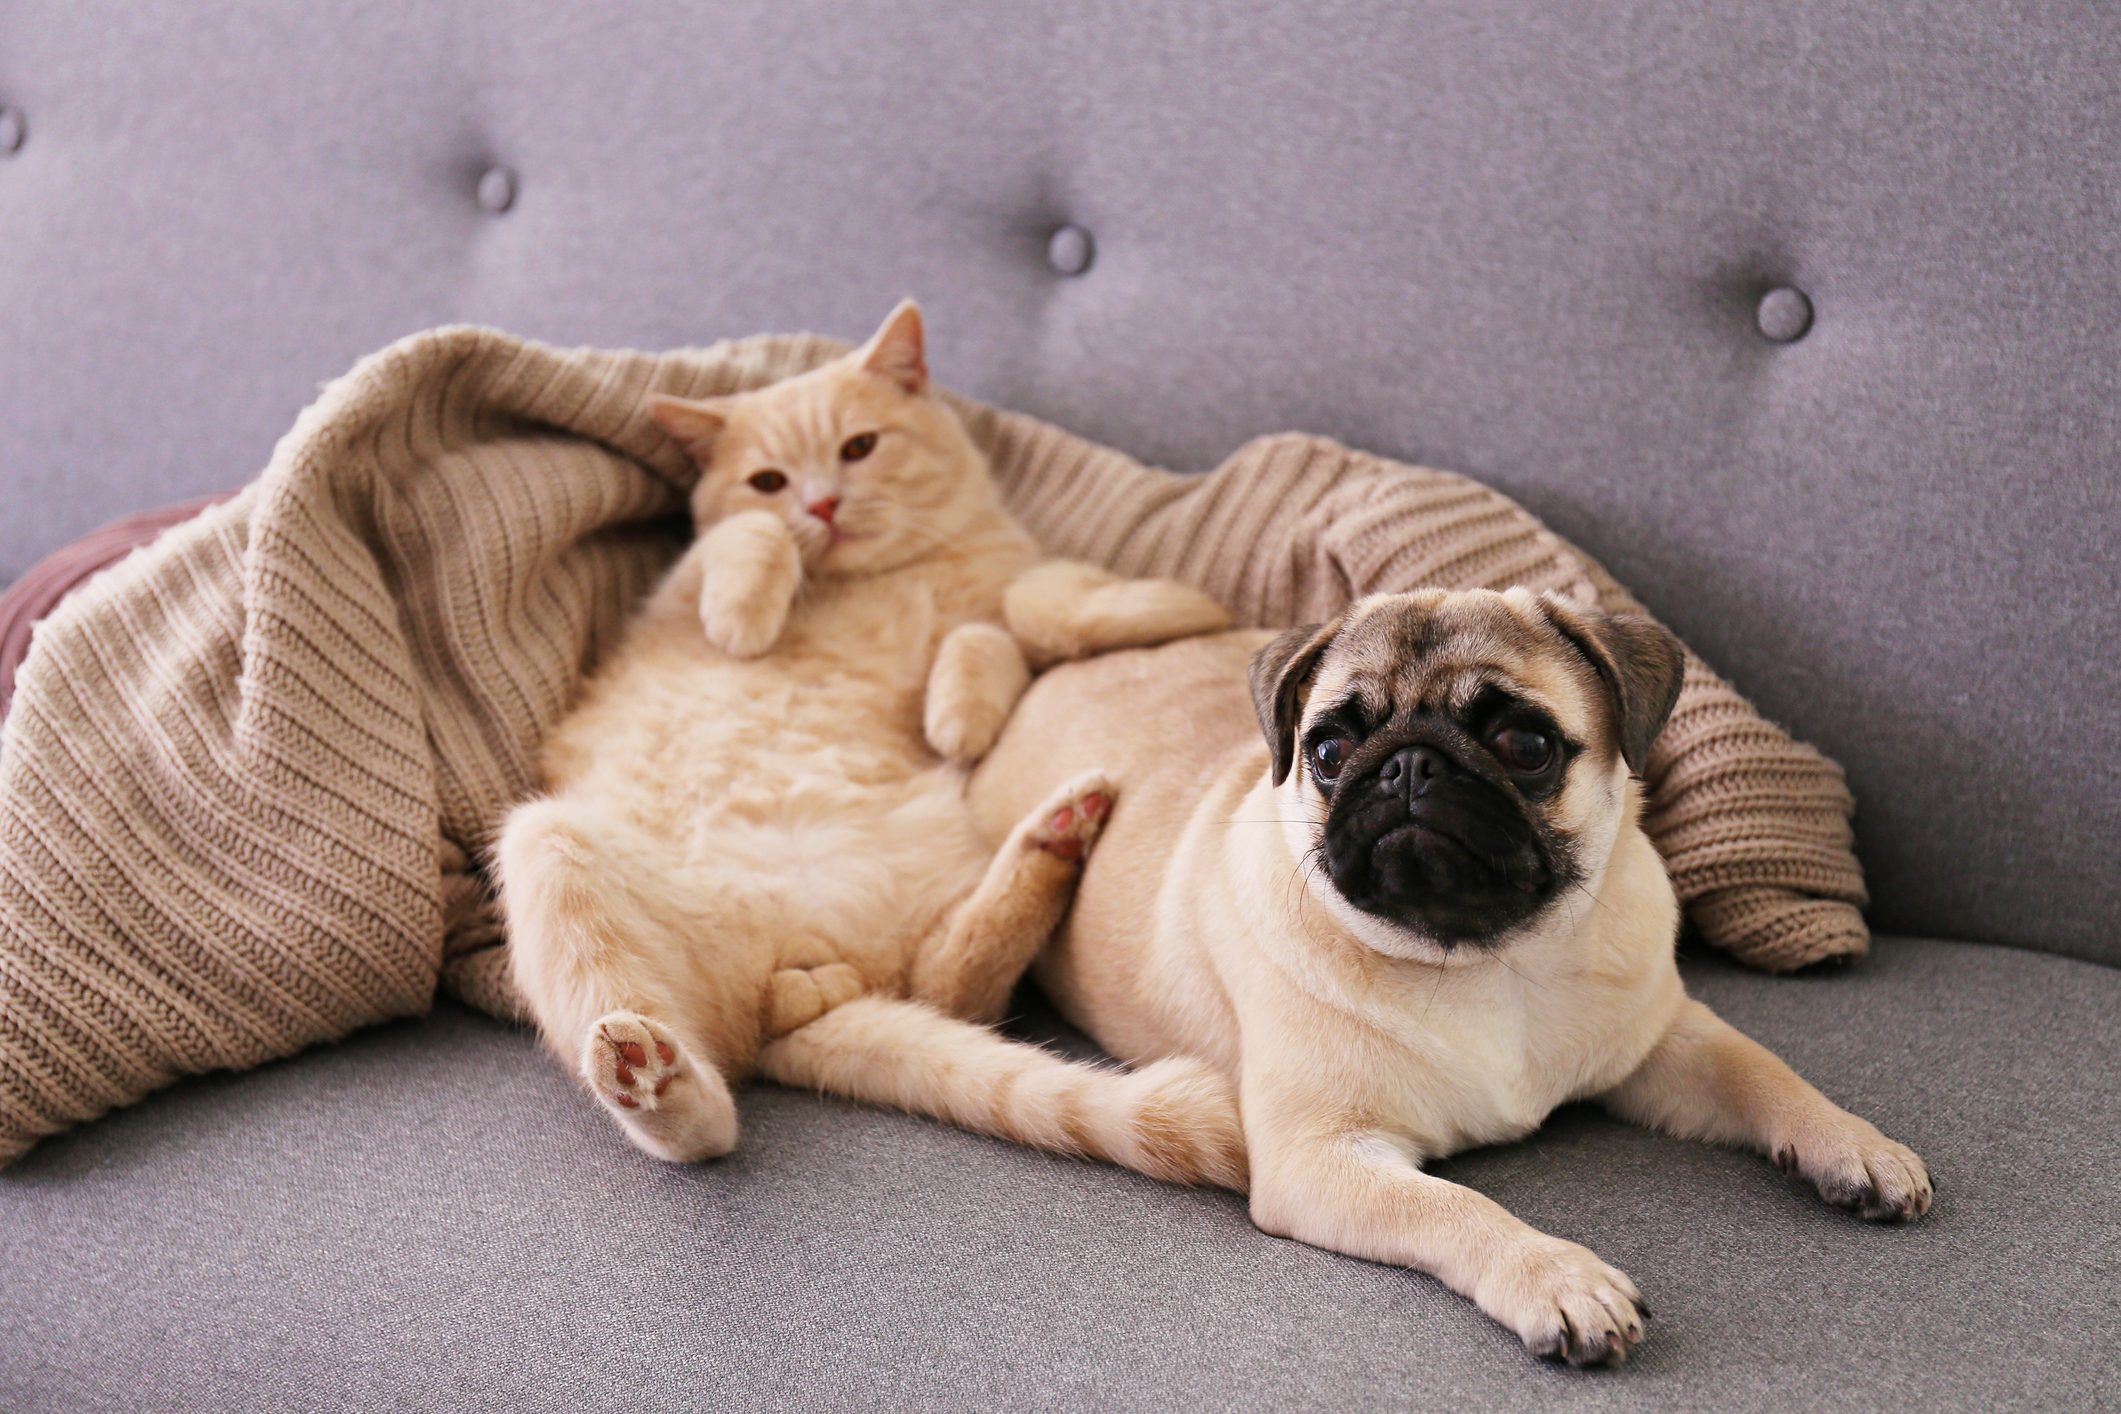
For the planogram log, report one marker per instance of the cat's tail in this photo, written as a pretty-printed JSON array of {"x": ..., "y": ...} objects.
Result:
[{"x": 1175, "y": 1119}]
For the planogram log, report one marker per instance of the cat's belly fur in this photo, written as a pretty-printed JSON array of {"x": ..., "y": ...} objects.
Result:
[{"x": 786, "y": 809}]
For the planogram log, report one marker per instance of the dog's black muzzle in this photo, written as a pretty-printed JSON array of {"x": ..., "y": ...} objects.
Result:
[{"x": 1426, "y": 831}]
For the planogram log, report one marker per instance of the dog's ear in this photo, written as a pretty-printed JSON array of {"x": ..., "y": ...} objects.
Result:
[
  {"x": 1279, "y": 672},
  {"x": 1637, "y": 659}
]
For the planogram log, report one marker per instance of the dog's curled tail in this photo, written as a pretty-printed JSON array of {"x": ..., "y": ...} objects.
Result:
[{"x": 1175, "y": 1119}]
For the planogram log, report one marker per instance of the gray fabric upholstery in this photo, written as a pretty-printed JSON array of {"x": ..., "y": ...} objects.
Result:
[
  {"x": 1538, "y": 241},
  {"x": 432, "y": 1215},
  {"x": 1526, "y": 240}
]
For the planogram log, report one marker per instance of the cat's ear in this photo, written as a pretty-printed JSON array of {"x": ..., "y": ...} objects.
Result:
[
  {"x": 692, "y": 425},
  {"x": 899, "y": 349}
]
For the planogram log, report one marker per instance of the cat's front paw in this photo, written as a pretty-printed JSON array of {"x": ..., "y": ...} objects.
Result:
[
  {"x": 751, "y": 571},
  {"x": 1142, "y": 613},
  {"x": 978, "y": 675},
  {"x": 1855, "y": 1167}
]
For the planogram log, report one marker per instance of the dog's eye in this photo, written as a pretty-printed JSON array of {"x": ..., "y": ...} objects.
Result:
[
  {"x": 766, "y": 482},
  {"x": 1522, "y": 749},
  {"x": 1328, "y": 756},
  {"x": 857, "y": 447}
]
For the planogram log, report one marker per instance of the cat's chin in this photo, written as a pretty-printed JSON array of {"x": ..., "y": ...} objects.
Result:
[
  {"x": 850, "y": 555},
  {"x": 846, "y": 554}
]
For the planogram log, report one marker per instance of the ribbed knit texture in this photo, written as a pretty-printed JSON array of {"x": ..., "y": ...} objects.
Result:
[{"x": 248, "y": 773}]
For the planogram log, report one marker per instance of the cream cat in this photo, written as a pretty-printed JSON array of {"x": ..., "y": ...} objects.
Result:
[{"x": 754, "y": 856}]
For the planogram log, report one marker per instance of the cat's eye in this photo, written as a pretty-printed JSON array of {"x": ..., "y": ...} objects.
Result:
[
  {"x": 1522, "y": 749},
  {"x": 1328, "y": 756},
  {"x": 766, "y": 482},
  {"x": 858, "y": 446}
]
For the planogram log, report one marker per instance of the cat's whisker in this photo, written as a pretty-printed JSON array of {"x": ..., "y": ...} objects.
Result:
[{"x": 905, "y": 522}]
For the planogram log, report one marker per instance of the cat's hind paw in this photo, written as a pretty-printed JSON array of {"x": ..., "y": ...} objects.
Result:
[
  {"x": 1071, "y": 819},
  {"x": 670, "y": 1104}
]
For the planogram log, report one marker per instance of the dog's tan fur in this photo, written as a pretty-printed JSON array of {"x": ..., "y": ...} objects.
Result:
[
  {"x": 754, "y": 854},
  {"x": 1361, "y": 1049}
]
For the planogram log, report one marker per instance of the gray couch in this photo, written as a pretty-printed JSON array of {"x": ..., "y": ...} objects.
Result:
[{"x": 1803, "y": 318}]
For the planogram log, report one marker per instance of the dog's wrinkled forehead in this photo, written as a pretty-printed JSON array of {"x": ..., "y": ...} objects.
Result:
[{"x": 1434, "y": 651}]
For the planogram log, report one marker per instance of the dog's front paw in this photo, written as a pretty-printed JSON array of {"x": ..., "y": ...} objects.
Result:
[
  {"x": 1565, "y": 1303},
  {"x": 1855, "y": 1167}
]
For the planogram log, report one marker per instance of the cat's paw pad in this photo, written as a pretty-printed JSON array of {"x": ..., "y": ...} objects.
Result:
[
  {"x": 631, "y": 1063},
  {"x": 797, "y": 996},
  {"x": 1074, "y": 816},
  {"x": 1863, "y": 1171},
  {"x": 671, "y": 1106}
]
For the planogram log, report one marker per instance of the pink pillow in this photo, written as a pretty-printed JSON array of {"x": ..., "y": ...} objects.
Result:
[{"x": 55, "y": 576}]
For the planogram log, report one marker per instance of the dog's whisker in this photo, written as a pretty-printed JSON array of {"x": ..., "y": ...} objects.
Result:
[
  {"x": 1441, "y": 967},
  {"x": 1499, "y": 955}
]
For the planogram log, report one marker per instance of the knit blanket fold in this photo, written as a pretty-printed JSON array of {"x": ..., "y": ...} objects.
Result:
[{"x": 249, "y": 774}]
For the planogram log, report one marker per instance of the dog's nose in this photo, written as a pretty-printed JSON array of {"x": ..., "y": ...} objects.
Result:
[
  {"x": 824, "y": 507},
  {"x": 1412, "y": 769}
]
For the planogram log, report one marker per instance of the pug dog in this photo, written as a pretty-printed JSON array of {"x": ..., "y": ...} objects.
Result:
[{"x": 1399, "y": 891}]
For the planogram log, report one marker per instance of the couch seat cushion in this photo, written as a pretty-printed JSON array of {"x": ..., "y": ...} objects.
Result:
[{"x": 431, "y": 1215}]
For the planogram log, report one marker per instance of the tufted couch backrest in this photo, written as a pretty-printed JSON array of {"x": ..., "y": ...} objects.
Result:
[{"x": 1807, "y": 319}]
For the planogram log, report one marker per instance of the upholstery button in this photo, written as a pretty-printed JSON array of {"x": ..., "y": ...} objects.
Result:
[
  {"x": 12, "y": 129},
  {"x": 497, "y": 189},
  {"x": 1070, "y": 250},
  {"x": 1784, "y": 314}
]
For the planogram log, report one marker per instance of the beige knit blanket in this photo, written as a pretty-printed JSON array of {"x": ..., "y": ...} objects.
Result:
[{"x": 249, "y": 772}]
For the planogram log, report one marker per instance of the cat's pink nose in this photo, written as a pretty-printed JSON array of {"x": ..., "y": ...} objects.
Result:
[{"x": 823, "y": 507}]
